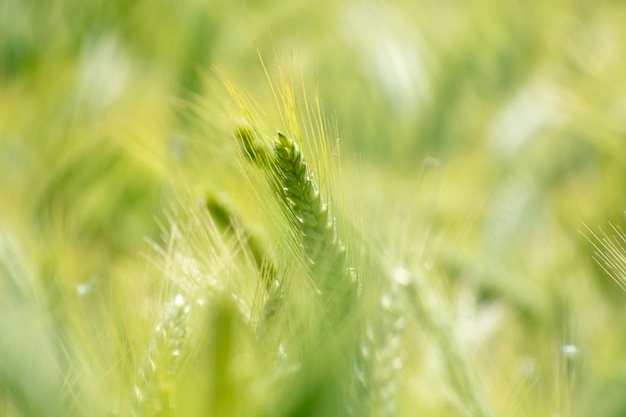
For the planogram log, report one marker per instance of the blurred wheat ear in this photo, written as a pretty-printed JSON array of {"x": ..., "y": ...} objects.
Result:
[
  {"x": 157, "y": 376},
  {"x": 227, "y": 220},
  {"x": 252, "y": 148}
]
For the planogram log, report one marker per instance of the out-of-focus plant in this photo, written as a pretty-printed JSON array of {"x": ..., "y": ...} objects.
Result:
[{"x": 415, "y": 250}]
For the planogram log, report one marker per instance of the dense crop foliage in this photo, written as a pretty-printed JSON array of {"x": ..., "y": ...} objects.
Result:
[{"x": 305, "y": 208}]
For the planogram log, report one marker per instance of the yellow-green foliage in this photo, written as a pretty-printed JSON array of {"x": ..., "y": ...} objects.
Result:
[{"x": 438, "y": 230}]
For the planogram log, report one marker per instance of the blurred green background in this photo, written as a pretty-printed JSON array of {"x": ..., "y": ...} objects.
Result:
[{"x": 498, "y": 126}]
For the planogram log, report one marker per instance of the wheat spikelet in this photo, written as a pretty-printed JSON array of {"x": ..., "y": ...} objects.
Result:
[
  {"x": 162, "y": 362},
  {"x": 310, "y": 216}
]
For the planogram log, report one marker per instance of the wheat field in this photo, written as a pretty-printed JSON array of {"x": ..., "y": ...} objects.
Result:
[{"x": 296, "y": 209}]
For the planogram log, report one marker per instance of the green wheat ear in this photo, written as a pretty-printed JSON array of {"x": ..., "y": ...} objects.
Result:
[{"x": 315, "y": 227}]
